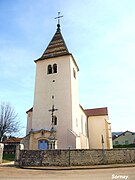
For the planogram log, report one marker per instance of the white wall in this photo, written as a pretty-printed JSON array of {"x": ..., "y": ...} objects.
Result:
[
  {"x": 65, "y": 92},
  {"x": 97, "y": 128},
  {"x": 29, "y": 122}
]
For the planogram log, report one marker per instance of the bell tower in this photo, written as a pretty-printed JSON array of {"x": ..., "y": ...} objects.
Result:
[{"x": 56, "y": 84}]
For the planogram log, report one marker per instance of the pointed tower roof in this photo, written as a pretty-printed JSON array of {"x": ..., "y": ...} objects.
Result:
[{"x": 56, "y": 47}]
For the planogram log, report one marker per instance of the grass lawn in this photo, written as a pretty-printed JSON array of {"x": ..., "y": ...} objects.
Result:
[{"x": 8, "y": 157}]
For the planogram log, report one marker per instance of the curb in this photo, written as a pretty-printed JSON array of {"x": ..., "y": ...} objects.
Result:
[
  {"x": 78, "y": 167},
  {"x": 8, "y": 163}
]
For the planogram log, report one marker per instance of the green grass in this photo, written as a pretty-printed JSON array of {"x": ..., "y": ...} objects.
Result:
[{"x": 8, "y": 157}]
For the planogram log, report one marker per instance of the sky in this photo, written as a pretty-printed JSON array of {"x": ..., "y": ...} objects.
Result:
[{"x": 99, "y": 33}]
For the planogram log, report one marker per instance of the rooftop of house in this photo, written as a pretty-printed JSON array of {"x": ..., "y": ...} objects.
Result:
[
  {"x": 123, "y": 133},
  {"x": 13, "y": 140},
  {"x": 96, "y": 111}
]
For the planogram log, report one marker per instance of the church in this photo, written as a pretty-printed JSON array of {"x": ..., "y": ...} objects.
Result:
[{"x": 57, "y": 120}]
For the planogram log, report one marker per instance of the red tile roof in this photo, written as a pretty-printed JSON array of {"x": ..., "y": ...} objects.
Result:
[{"x": 96, "y": 111}]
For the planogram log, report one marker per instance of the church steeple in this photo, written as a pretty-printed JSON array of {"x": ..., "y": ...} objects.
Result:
[{"x": 56, "y": 47}]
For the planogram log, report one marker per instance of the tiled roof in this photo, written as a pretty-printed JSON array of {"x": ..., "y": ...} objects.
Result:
[
  {"x": 133, "y": 133},
  {"x": 96, "y": 111},
  {"x": 12, "y": 140},
  {"x": 56, "y": 47}
]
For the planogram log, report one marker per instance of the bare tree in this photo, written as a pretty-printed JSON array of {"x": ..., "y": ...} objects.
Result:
[{"x": 8, "y": 120}]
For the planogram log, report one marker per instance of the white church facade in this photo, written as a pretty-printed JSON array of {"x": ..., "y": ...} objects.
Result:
[{"x": 57, "y": 120}]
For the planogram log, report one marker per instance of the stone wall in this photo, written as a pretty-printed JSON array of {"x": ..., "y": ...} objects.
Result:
[
  {"x": 74, "y": 157},
  {"x": 1, "y": 152}
]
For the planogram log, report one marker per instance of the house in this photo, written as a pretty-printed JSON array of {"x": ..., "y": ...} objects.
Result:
[
  {"x": 10, "y": 145},
  {"x": 124, "y": 138}
]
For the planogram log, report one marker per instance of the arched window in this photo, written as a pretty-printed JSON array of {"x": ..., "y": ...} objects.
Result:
[
  {"x": 55, "y": 68},
  {"x": 54, "y": 120},
  {"x": 42, "y": 144},
  {"x": 49, "y": 69}
]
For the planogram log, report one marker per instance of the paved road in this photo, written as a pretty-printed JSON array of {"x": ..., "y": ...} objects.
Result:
[{"x": 7, "y": 173}]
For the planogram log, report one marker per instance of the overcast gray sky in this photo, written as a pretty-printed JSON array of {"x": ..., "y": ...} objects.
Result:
[{"x": 99, "y": 33}]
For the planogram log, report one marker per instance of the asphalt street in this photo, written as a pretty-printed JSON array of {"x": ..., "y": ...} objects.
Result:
[{"x": 13, "y": 173}]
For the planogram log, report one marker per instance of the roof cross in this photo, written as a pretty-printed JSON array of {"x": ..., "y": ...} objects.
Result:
[{"x": 58, "y": 17}]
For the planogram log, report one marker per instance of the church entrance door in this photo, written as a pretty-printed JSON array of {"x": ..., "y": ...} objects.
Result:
[{"x": 42, "y": 144}]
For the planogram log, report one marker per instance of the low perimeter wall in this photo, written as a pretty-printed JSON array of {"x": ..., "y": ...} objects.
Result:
[{"x": 74, "y": 157}]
